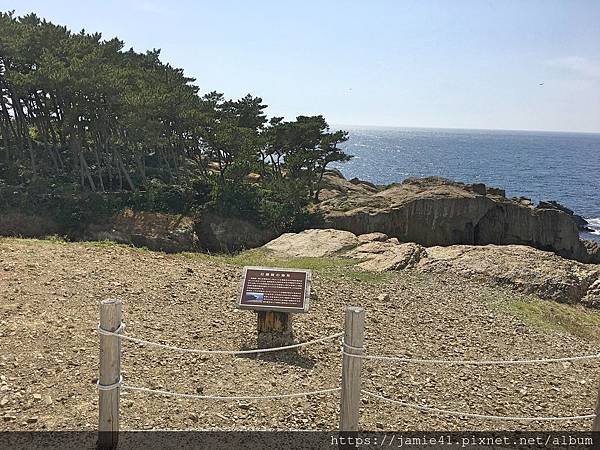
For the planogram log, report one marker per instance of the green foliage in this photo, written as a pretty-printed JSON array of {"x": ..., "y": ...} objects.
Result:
[
  {"x": 87, "y": 127},
  {"x": 276, "y": 205}
]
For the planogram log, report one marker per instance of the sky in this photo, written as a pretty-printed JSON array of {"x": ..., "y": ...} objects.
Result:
[{"x": 520, "y": 65}]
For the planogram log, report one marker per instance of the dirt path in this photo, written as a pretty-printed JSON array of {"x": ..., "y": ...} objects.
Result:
[{"x": 49, "y": 294}]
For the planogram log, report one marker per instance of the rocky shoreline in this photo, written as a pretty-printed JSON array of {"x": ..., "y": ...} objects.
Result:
[
  {"x": 428, "y": 211},
  {"x": 436, "y": 211},
  {"x": 518, "y": 267}
]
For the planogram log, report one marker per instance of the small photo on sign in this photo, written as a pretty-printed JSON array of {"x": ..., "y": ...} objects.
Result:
[{"x": 254, "y": 296}]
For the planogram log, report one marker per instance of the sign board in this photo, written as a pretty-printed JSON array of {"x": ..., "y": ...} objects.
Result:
[{"x": 275, "y": 289}]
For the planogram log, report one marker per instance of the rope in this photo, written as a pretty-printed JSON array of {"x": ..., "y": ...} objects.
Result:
[
  {"x": 110, "y": 387},
  {"x": 104, "y": 332},
  {"x": 351, "y": 347},
  {"x": 214, "y": 352},
  {"x": 476, "y": 416},
  {"x": 467, "y": 361},
  {"x": 217, "y": 397}
]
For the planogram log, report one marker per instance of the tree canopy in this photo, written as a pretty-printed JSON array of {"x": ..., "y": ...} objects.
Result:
[{"x": 82, "y": 112}]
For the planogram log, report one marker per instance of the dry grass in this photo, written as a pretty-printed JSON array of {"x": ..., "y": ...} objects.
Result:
[{"x": 573, "y": 319}]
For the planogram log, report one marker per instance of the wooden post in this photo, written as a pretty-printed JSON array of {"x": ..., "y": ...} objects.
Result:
[
  {"x": 110, "y": 373},
  {"x": 274, "y": 328},
  {"x": 351, "y": 366},
  {"x": 596, "y": 424}
]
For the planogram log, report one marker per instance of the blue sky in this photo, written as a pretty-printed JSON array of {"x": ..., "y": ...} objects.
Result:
[{"x": 463, "y": 64}]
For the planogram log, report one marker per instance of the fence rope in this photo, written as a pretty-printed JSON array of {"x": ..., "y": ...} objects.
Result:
[
  {"x": 476, "y": 362},
  {"x": 212, "y": 352},
  {"x": 218, "y": 397},
  {"x": 476, "y": 416},
  {"x": 109, "y": 387}
]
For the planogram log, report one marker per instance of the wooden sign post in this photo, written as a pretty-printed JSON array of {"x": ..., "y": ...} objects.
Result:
[{"x": 274, "y": 293}]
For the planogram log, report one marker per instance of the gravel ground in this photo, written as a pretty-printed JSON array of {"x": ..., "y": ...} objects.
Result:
[{"x": 49, "y": 294}]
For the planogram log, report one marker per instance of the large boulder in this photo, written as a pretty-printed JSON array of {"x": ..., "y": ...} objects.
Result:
[
  {"x": 313, "y": 243},
  {"x": 388, "y": 255},
  {"x": 435, "y": 211}
]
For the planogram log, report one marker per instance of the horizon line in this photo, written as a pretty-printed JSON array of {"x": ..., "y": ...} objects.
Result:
[{"x": 337, "y": 125}]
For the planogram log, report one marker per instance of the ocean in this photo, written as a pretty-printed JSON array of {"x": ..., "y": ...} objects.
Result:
[{"x": 539, "y": 165}]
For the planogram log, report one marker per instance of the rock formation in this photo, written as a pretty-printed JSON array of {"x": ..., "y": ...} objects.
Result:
[
  {"x": 519, "y": 267},
  {"x": 155, "y": 231},
  {"x": 435, "y": 211},
  {"x": 581, "y": 223},
  {"x": 313, "y": 243},
  {"x": 228, "y": 234}
]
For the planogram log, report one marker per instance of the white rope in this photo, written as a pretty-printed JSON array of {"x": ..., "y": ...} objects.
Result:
[
  {"x": 109, "y": 387},
  {"x": 117, "y": 332},
  {"x": 476, "y": 416},
  {"x": 218, "y": 397},
  {"x": 351, "y": 347},
  {"x": 215, "y": 352},
  {"x": 481, "y": 362}
]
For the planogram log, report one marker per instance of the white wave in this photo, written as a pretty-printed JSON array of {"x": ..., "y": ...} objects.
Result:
[{"x": 594, "y": 224}]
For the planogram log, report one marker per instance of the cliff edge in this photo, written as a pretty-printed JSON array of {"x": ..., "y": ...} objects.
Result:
[{"x": 435, "y": 211}]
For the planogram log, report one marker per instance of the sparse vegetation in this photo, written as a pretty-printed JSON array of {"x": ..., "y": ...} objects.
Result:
[
  {"x": 259, "y": 257},
  {"x": 573, "y": 319}
]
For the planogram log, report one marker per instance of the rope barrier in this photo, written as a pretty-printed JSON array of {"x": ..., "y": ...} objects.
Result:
[
  {"x": 351, "y": 347},
  {"x": 117, "y": 332},
  {"x": 476, "y": 416},
  {"x": 109, "y": 387},
  {"x": 466, "y": 361},
  {"x": 213, "y": 352},
  {"x": 217, "y": 397}
]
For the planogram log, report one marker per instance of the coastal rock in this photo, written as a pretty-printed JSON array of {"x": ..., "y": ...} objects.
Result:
[
  {"x": 156, "y": 231},
  {"x": 581, "y": 223},
  {"x": 519, "y": 267},
  {"x": 436, "y": 211},
  {"x": 592, "y": 251},
  {"x": 313, "y": 243},
  {"x": 592, "y": 296},
  {"x": 386, "y": 256},
  {"x": 227, "y": 234}
]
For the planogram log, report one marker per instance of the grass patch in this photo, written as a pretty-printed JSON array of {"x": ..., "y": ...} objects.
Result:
[
  {"x": 546, "y": 314},
  {"x": 48, "y": 240},
  {"x": 259, "y": 257},
  {"x": 365, "y": 277},
  {"x": 328, "y": 267}
]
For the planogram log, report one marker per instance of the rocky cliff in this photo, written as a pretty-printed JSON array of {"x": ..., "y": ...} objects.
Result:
[{"x": 435, "y": 211}]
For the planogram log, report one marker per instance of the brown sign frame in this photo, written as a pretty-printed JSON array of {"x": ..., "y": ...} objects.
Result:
[{"x": 257, "y": 307}]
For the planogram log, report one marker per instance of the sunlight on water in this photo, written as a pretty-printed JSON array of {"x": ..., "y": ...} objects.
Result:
[{"x": 539, "y": 165}]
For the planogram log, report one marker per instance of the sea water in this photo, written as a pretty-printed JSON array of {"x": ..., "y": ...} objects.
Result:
[{"x": 539, "y": 165}]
